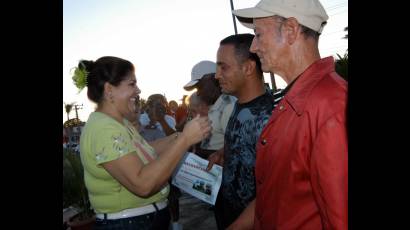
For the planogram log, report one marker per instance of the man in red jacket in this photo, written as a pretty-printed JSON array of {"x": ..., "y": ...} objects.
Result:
[{"x": 301, "y": 160}]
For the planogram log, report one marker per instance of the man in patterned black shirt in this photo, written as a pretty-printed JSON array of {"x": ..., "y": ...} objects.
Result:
[{"x": 239, "y": 74}]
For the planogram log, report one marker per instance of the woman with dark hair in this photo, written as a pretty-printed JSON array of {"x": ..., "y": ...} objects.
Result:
[{"x": 126, "y": 177}]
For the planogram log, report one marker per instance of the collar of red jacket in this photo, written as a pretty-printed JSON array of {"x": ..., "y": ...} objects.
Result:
[{"x": 298, "y": 94}]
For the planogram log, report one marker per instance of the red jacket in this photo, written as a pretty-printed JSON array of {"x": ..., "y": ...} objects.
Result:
[{"x": 301, "y": 165}]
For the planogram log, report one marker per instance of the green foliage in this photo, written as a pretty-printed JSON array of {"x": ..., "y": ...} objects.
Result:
[
  {"x": 80, "y": 78},
  {"x": 74, "y": 191},
  {"x": 341, "y": 65},
  {"x": 68, "y": 107}
]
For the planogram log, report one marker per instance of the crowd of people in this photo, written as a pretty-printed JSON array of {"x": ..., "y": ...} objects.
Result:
[{"x": 284, "y": 154}]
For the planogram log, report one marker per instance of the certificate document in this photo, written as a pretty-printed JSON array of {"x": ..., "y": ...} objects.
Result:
[{"x": 191, "y": 176}]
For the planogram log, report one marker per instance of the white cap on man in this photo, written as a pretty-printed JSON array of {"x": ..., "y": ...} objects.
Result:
[
  {"x": 309, "y": 13},
  {"x": 198, "y": 71}
]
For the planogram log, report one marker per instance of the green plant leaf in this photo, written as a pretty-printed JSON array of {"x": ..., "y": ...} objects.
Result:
[{"x": 80, "y": 78}]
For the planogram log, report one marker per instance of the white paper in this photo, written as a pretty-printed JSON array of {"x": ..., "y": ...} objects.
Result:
[{"x": 191, "y": 176}]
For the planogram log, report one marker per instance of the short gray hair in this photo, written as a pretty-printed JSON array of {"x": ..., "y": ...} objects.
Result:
[{"x": 306, "y": 31}]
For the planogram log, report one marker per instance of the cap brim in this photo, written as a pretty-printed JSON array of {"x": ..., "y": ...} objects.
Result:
[
  {"x": 246, "y": 16},
  {"x": 190, "y": 85}
]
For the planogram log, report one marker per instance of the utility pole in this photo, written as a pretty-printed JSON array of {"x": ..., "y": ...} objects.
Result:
[
  {"x": 233, "y": 17},
  {"x": 272, "y": 79},
  {"x": 76, "y": 108}
]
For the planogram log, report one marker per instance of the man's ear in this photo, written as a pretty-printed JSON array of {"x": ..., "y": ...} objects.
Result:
[
  {"x": 292, "y": 29},
  {"x": 249, "y": 67}
]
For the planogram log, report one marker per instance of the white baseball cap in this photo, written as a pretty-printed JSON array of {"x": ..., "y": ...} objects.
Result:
[
  {"x": 199, "y": 70},
  {"x": 309, "y": 13}
]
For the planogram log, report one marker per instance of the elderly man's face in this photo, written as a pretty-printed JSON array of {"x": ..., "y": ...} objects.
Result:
[{"x": 269, "y": 44}]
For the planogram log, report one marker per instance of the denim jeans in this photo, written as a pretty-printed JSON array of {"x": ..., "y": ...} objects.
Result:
[{"x": 152, "y": 221}]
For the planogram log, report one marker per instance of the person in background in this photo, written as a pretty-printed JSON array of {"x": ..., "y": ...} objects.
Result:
[
  {"x": 220, "y": 105},
  {"x": 155, "y": 122},
  {"x": 301, "y": 160},
  {"x": 181, "y": 115},
  {"x": 196, "y": 106},
  {"x": 156, "y": 114},
  {"x": 172, "y": 108},
  {"x": 65, "y": 137},
  {"x": 126, "y": 178}
]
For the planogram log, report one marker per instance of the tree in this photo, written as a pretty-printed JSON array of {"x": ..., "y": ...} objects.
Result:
[
  {"x": 346, "y": 36},
  {"x": 341, "y": 65},
  {"x": 75, "y": 192},
  {"x": 68, "y": 108},
  {"x": 143, "y": 105}
]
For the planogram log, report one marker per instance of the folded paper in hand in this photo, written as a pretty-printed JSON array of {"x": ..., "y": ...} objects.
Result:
[{"x": 191, "y": 176}]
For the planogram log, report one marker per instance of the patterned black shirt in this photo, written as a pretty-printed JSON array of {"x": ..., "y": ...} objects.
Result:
[{"x": 242, "y": 132}]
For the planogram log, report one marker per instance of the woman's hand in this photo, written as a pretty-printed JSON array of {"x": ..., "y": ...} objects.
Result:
[{"x": 196, "y": 130}]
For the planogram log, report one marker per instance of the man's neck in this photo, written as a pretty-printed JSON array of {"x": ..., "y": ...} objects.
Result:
[
  {"x": 300, "y": 61},
  {"x": 251, "y": 90}
]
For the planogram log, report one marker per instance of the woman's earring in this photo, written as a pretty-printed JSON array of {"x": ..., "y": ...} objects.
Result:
[{"x": 111, "y": 98}]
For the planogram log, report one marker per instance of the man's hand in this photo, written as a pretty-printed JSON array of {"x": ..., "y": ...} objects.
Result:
[{"x": 215, "y": 158}]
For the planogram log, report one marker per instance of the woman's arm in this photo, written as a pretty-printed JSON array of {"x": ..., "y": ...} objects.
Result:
[
  {"x": 146, "y": 180},
  {"x": 162, "y": 144}
]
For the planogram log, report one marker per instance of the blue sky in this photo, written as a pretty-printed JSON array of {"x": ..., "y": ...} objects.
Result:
[{"x": 163, "y": 39}]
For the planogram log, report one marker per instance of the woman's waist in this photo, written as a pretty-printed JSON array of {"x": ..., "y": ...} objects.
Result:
[
  {"x": 115, "y": 202},
  {"x": 131, "y": 212}
]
